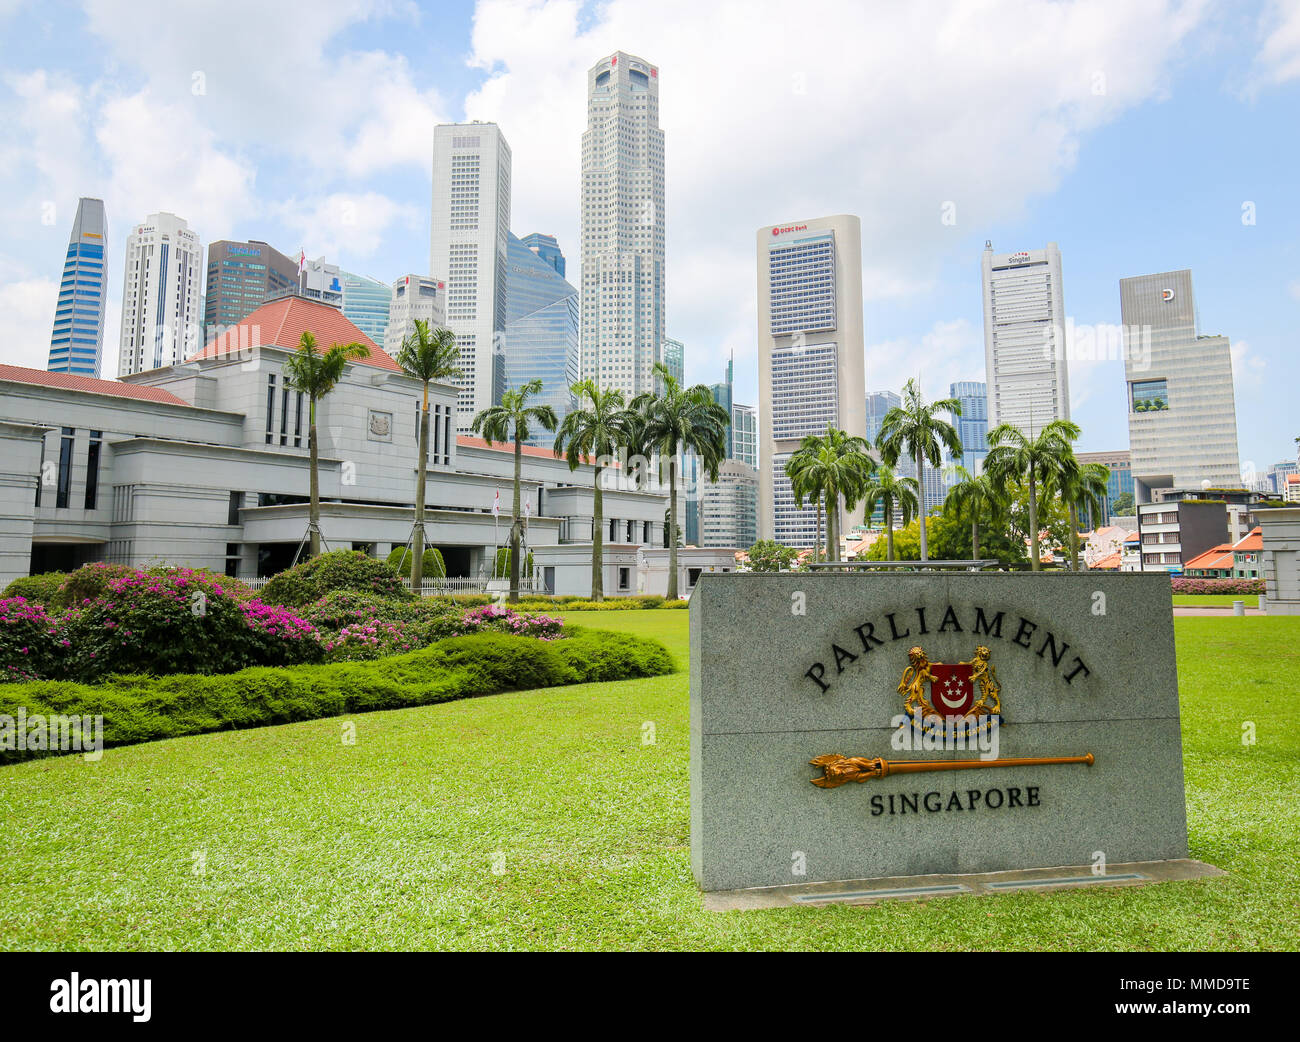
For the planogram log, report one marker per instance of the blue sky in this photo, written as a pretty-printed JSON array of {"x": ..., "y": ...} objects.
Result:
[{"x": 1130, "y": 133}]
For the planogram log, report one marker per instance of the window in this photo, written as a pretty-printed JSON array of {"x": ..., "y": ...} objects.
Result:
[
  {"x": 65, "y": 468},
  {"x": 645, "y": 531},
  {"x": 270, "y": 408},
  {"x": 625, "y": 578},
  {"x": 1149, "y": 395},
  {"x": 92, "y": 469},
  {"x": 232, "y": 510},
  {"x": 232, "y": 558},
  {"x": 284, "y": 415},
  {"x": 630, "y": 537},
  {"x": 297, "y": 424}
]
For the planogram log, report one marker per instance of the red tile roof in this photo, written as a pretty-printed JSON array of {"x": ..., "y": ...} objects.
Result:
[
  {"x": 1217, "y": 559},
  {"x": 1254, "y": 540},
  {"x": 73, "y": 382},
  {"x": 1108, "y": 562},
  {"x": 509, "y": 446},
  {"x": 282, "y": 323}
]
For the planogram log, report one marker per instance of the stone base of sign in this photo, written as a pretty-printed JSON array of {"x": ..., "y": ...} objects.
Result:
[{"x": 922, "y": 888}]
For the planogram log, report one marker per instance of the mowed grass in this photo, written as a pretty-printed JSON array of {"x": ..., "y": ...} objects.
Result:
[
  {"x": 542, "y": 820},
  {"x": 1214, "y": 600}
]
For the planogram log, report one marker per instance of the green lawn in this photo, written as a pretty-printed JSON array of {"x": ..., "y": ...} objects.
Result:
[
  {"x": 1192, "y": 600},
  {"x": 541, "y": 820}
]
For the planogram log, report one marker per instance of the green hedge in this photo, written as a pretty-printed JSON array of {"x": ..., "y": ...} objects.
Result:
[
  {"x": 43, "y": 588},
  {"x": 143, "y": 709},
  {"x": 311, "y": 580}
]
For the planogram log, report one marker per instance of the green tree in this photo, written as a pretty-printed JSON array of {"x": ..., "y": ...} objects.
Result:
[
  {"x": 598, "y": 428},
  {"x": 767, "y": 555},
  {"x": 510, "y": 421},
  {"x": 804, "y": 484},
  {"x": 837, "y": 468},
  {"x": 316, "y": 375},
  {"x": 1037, "y": 461},
  {"x": 428, "y": 355},
  {"x": 917, "y": 430},
  {"x": 671, "y": 421},
  {"x": 973, "y": 498},
  {"x": 1082, "y": 488},
  {"x": 893, "y": 492},
  {"x": 1122, "y": 505}
]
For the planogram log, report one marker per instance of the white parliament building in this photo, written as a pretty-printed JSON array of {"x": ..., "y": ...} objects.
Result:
[{"x": 205, "y": 463}]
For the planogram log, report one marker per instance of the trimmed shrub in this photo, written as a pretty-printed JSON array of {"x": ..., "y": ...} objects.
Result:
[
  {"x": 43, "y": 589},
  {"x": 434, "y": 568},
  {"x": 311, "y": 580},
  {"x": 228, "y": 585},
  {"x": 502, "y": 564},
  {"x": 1245, "y": 587},
  {"x": 141, "y": 709}
]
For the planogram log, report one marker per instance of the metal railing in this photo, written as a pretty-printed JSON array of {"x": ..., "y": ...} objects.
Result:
[
  {"x": 952, "y": 566},
  {"x": 443, "y": 587}
]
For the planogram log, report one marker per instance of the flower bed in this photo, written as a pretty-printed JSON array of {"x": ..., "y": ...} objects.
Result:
[{"x": 1241, "y": 586}]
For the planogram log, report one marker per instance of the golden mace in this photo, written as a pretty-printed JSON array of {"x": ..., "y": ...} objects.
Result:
[{"x": 840, "y": 769}]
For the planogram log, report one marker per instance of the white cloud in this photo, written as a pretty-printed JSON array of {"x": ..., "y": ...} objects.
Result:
[
  {"x": 1278, "y": 60},
  {"x": 775, "y": 111},
  {"x": 952, "y": 350},
  {"x": 161, "y": 159},
  {"x": 342, "y": 225},
  {"x": 272, "y": 76},
  {"x": 1248, "y": 368},
  {"x": 27, "y": 307}
]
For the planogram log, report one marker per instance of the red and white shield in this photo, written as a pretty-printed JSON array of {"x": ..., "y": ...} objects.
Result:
[{"x": 951, "y": 690}]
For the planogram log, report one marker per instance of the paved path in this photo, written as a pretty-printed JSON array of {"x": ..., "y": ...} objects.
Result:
[{"x": 1226, "y": 609}]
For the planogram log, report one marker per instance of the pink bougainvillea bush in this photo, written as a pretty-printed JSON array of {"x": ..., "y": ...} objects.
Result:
[
  {"x": 1229, "y": 586},
  {"x": 182, "y": 620}
]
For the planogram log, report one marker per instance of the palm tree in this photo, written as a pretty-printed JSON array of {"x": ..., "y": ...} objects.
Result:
[
  {"x": 837, "y": 467},
  {"x": 316, "y": 375},
  {"x": 1014, "y": 456},
  {"x": 674, "y": 420},
  {"x": 1083, "y": 487},
  {"x": 597, "y": 428},
  {"x": 974, "y": 497},
  {"x": 509, "y": 422},
  {"x": 428, "y": 355},
  {"x": 916, "y": 429},
  {"x": 889, "y": 489},
  {"x": 804, "y": 485}
]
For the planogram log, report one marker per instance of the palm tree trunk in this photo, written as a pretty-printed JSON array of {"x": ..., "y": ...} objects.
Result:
[
  {"x": 975, "y": 537},
  {"x": 817, "y": 546},
  {"x": 832, "y": 528},
  {"x": 920, "y": 480},
  {"x": 417, "y": 564},
  {"x": 1074, "y": 538},
  {"x": 514, "y": 528},
  {"x": 313, "y": 510},
  {"x": 1033, "y": 522},
  {"x": 597, "y": 545},
  {"x": 672, "y": 526},
  {"x": 889, "y": 529}
]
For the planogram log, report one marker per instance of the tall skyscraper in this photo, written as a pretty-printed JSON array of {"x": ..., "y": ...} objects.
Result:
[
  {"x": 1024, "y": 338},
  {"x": 744, "y": 434},
  {"x": 810, "y": 357},
  {"x": 878, "y": 405},
  {"x": 365, "y": 303},
  {"x": 546, "y": 247},
  {"x": 1120, "y": 482},
  {"x": 1182, "y": 418},
  {"x": 722, "y": 394},
  {"x": 161, "y": 321},
  {"x": 623, "y": 312},
  {"x": 541, "y": 330},
  {"x": 77, "y": 340},
  {"x": 728, "y": 507},
  {"x": 470, "y": 228},
  {"x": 973, "y": 423},
  {"x": 413, "y": 297},
  {"x": 242, "y": 276},
  {"x": 674, "y": 358}
]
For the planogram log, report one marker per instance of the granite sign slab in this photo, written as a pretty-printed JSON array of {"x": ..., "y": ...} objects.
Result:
[{"x": 850, "y": 726}]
